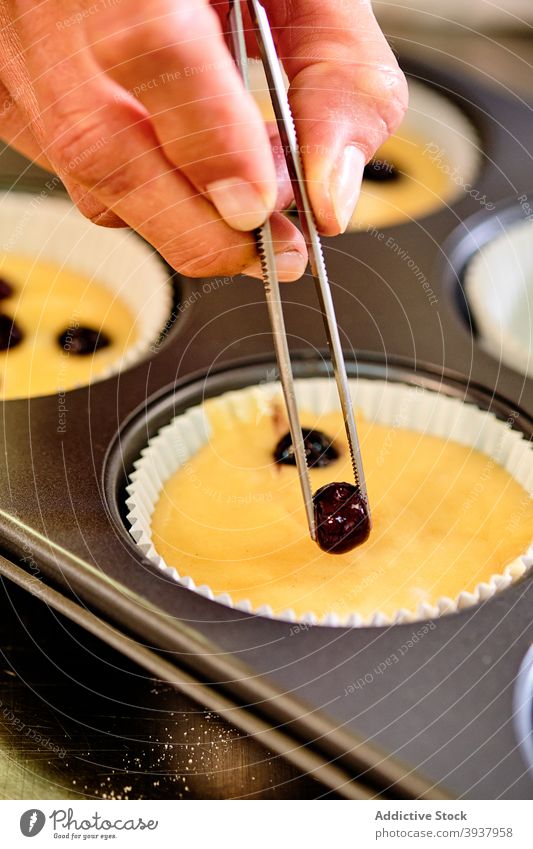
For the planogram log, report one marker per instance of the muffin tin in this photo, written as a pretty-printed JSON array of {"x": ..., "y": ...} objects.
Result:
[{"x": 445, "y": 706}]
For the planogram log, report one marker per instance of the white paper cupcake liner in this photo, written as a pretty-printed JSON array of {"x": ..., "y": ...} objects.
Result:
[
  {"x": 499, "y": 288},
  {"x": 53, "y": 230},
  {"x": 379, "y": 401}
]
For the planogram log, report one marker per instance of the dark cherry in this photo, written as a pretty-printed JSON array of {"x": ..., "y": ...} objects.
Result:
[
  {"x": 82, "y": 340},
  {"x": 380, "y": 171},
  {"x": 6, "y": 289},
  {"x": 319, "y": 449},
  {"x": 10, "y": 333},
  {"x": 341, "y": 517}
]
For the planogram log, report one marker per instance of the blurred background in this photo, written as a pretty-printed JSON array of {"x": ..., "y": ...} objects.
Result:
[
  {"x": 491, "y": 40},
  {"x": 478, "y": 14}
]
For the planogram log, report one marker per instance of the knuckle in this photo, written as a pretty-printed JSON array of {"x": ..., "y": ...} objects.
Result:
[
  {"x": 391, "y": 97},
  {"x": 76, "y": 146},
  {"x": 102, "y": 216},
  {"x": 86, "y": 203},
  {"x": 151, "y": 38},
  {"x": 83, "y": 152},
  {"x": 109, "y": 219},
  {"x": 156, "y": 35}
]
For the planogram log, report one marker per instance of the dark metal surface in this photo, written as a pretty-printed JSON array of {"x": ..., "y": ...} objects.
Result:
[
  {"x": 447, "y": 708},
  {"x": 367, "y": 773},
  {"x": 78, "y": 720},
  {"x": 440, "y": 682}
]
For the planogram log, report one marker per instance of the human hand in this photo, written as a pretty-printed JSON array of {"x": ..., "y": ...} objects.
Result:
[{"x": 140, "y": 110}]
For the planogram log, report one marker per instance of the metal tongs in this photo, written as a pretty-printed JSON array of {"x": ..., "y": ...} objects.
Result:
[{"x": 291, "y": 148}]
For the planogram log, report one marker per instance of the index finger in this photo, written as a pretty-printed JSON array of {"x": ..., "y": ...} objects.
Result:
[{"x": 171, "y": 55}]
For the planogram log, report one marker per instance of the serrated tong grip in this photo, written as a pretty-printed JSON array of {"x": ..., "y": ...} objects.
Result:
[{"x": 293, "y": 159}]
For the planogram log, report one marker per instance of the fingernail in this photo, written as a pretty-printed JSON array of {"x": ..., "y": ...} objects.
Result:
[
  {"x": 239, "y": 203},
  {"x": 290, "y": 266},
  {"x": 345, "y": 184}
]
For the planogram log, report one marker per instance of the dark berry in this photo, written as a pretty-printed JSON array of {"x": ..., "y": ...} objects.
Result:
[
  {"x": 83, "y": 340},
  {"x": 341, "y": 517},
  {"x": 6, "y": 289},
  {"x": 380, "y": 171},
  {"x": 319, "y": 449},
  {"x": 10, "y": 333}
]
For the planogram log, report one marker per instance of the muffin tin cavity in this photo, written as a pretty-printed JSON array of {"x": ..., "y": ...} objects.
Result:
[
  {"x": 498, "y": 283},
  {"x": 78, "y": 303},
  {"x": 424, "y": 411},
  {"x": 486, "y": 269},
  {"x": 430, "y": 162}
]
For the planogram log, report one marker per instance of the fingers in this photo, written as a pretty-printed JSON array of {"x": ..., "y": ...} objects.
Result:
[
  {"x": 347, "y": 95},
  {"x": 285, "y": 196},
  {"x": 171, "y": 55},
  {"x": 289, "y": 248},
  {"x": 117, "y": 158},
  {"x": 103, "y": 139}
]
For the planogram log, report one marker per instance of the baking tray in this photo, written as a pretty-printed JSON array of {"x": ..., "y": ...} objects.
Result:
[{"x": 446, "y": 709}]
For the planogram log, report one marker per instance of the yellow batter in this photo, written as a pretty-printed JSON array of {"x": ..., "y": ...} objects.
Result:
[
  {"x": 46, "y": 300},
  {"x": 445, "y": 517},
  {"x": 423, "y": 186}
]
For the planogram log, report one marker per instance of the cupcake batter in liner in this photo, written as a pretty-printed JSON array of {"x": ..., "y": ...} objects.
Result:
[
  {"x": 477, "y": 471},
  {"x": 63, "y": 280}
]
